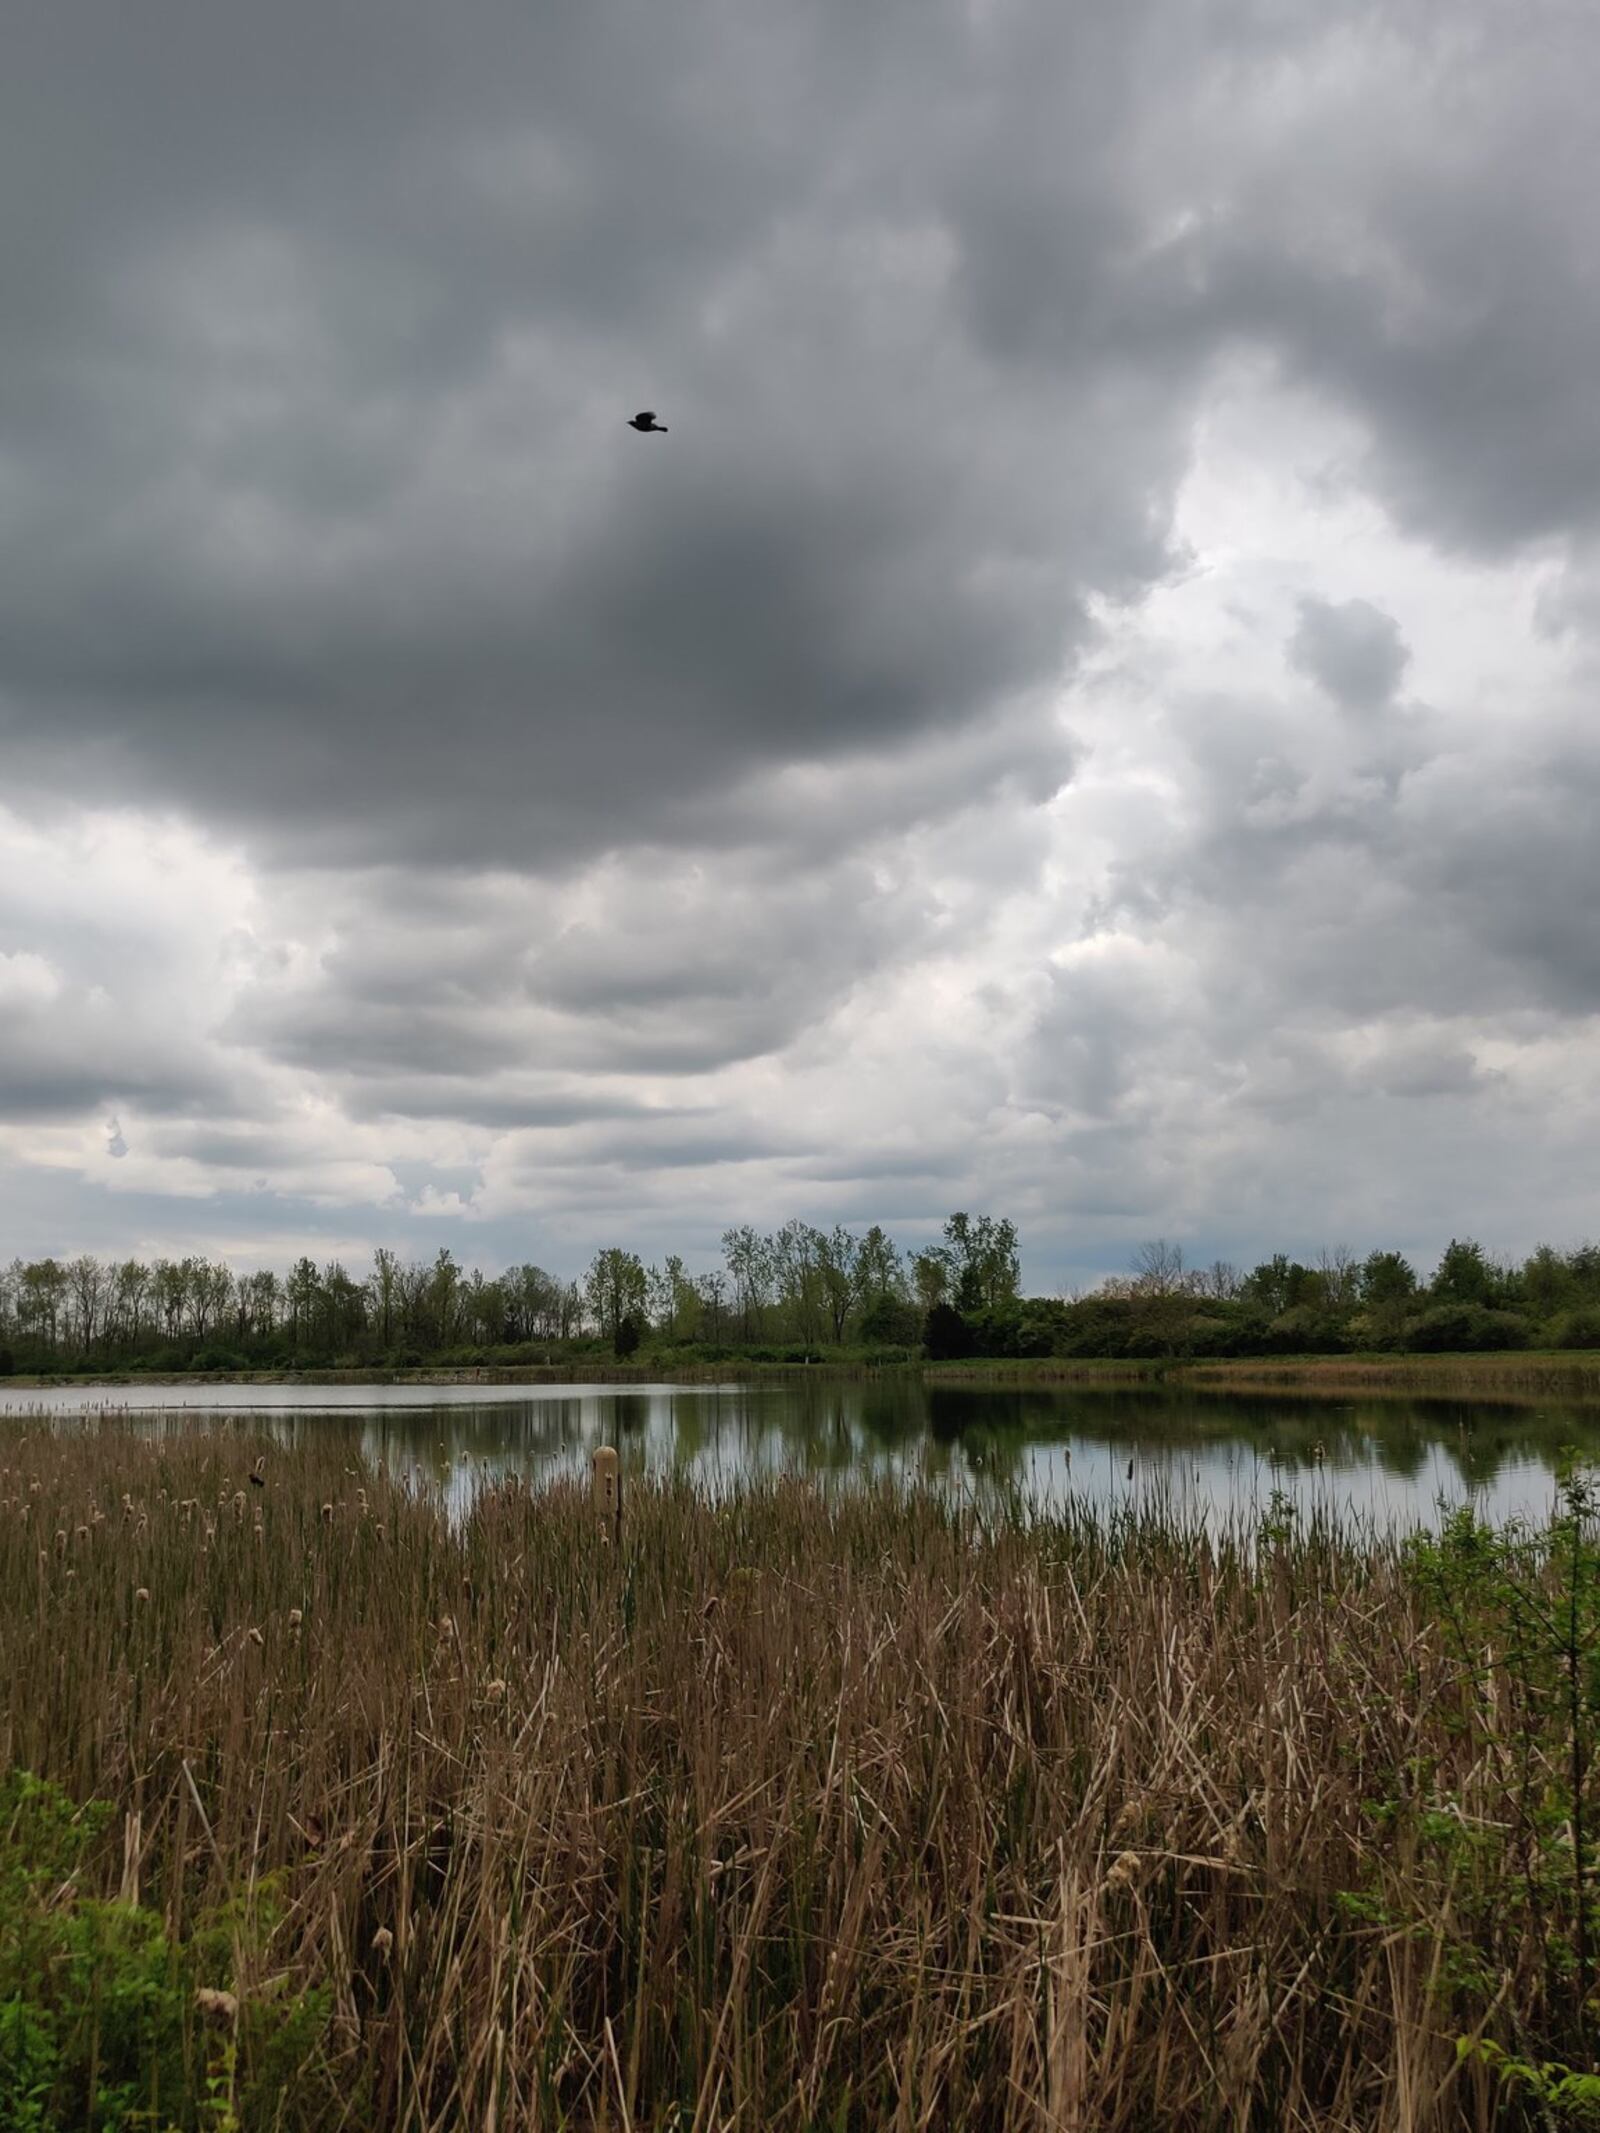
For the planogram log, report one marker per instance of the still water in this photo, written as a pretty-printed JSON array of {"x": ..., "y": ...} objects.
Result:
[{"x": 1388, "y": 1462}]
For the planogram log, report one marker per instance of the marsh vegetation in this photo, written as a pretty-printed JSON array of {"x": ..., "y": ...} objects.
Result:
[{"x": 799, "y": 1810}]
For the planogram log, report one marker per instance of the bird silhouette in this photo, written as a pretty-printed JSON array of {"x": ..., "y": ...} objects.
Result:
[{"x": 645, "y": 420}]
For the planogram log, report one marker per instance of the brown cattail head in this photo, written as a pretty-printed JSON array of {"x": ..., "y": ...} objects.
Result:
[
  {"x": 607, "y": 1488},
  {"x": 1125, "y": 1871}
]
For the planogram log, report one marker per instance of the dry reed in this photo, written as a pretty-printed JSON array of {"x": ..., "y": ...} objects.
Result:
[{"x": 793, "y": 1811}]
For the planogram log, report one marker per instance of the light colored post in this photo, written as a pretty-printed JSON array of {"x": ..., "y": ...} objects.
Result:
[{"x": 608, "y": 1492}]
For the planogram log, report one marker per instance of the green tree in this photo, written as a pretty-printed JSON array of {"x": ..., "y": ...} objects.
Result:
[
  {"x": 982, "y": 1257},
  {"x": 615, "y": 1291},
  {"x": 302, "y": 1291},
  {"x": 1386, "y": 1280},
  {"x": 750, "y": 1271},
  {"x": 42, "y": 1289},
  {"x": 930, "y": 1273},
  {"x": 385, "y": 1287},
  {"x": 1463, "y": 1275},
  {"x": 674, "y": 1301},
  {"x": 1547, "y": 1283},
  {"x": 842, "y": 1272}
]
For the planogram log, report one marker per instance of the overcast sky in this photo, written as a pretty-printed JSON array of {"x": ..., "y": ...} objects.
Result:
[{"x": 1089, "y": 713}]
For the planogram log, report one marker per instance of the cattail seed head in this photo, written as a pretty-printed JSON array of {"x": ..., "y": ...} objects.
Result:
[
  {"x": 1125, "y": 1871},
  {"x": 296, "y": 1617}
]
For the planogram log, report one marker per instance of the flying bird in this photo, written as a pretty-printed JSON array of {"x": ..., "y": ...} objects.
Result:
[{"x": 645, "y": 420}]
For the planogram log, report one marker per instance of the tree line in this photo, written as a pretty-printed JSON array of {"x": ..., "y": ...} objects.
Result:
[
  {"x": 798, "y": 1286},
  {"x": 798, "y": 1291}
]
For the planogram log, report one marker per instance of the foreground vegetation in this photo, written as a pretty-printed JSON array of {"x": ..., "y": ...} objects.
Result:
[{"x": 802, "y": 1811}]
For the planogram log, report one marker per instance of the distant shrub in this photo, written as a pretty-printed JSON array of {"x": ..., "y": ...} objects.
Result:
[
  {"x": 1577, "y": 1329},
  {"x": 946, "y": 1335},
  {"x": 1096, "y": 1327},
  {"x": 1238, "y": 1332},
  {"x": 217, "y": 1359},
  {"x": 1304, "y": 1331},
  {"x": 1464, "y": 1328},
  {"x": 627, "y": 1337},
  {"x": 890, "y": 1321}
]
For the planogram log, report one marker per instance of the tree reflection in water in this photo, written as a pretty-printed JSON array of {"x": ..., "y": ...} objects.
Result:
[{"x": 1389, "y": 1460}]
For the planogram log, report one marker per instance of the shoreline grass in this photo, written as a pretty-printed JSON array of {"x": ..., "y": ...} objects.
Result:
[{"x": 799, "y": 1810}]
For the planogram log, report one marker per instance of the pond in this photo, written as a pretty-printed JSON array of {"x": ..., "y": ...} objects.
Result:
[{"x": 1388, "y": 1462}]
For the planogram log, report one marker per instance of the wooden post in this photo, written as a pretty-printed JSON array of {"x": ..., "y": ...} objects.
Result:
[{"x": 608, "y": 1492}]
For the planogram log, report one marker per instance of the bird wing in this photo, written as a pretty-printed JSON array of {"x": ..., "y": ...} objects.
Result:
[{"x": 645, "y": 414}]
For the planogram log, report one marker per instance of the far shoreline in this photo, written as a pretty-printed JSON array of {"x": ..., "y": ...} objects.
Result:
[{"x": 1517, "y": 1375}]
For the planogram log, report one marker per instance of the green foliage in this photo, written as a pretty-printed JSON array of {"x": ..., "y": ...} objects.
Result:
[
  {"x": 1521, "y": 1612},
  {"x": 1577, "y": 1329},
  {"x": 945, "y": 1335},
  {"x": 1463, "y": 1275},
  {"x": 1464, "y": 1329},
  {"x": 625, "y": 1340},
  {"x": 1565, "y": 2098},
  {"x": 800, "y": 1287},
  {"x": 1386, "y": 1279},
  {"x": 99, "y": 2028}
]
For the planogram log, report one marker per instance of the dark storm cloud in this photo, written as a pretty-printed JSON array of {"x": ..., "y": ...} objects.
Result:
[
  {"x": 320, "y": 513},
  {"x": 476, "y": 1101},
  {"x": 581, "y": 756},
  {"x": 1350, "y": 648}
]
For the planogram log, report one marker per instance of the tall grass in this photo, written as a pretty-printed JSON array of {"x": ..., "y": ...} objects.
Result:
[{"x": 794, "y": 1811}]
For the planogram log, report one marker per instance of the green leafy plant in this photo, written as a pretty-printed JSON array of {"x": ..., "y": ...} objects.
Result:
[
  {"x": 1521, "y": 1612},
  {"x": 99, "y": 2027},
  {"x": 1564, "y": 2097}
]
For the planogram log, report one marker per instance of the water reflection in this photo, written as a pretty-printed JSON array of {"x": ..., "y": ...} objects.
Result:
[{"x": 1386, "y": 1460}]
